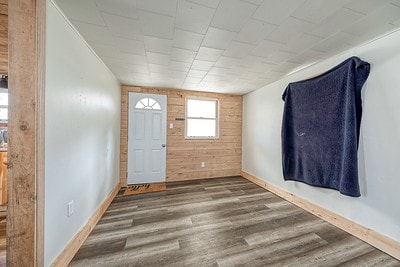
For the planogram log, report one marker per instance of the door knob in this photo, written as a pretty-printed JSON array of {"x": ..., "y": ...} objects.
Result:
[{"x": 163, "y": 145}]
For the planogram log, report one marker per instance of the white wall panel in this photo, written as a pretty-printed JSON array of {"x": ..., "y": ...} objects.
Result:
[
  {"x": 379, "y": 143},
  {"x": 82, "y": 102}
]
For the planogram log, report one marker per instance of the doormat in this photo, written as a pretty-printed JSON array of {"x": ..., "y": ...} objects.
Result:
[{"x": 135, "y": 189}]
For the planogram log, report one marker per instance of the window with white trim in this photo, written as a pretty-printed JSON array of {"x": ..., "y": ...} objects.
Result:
[{"x": 201, "y": 118}]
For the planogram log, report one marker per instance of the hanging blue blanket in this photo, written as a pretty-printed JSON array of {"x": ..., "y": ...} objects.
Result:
[{"x": 321, "y": 127}]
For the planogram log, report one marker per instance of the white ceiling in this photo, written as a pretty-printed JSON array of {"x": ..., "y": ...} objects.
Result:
[{"x": 227, "y": 46}]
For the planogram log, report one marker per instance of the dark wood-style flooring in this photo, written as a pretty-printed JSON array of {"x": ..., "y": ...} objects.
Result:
[{"x": 219, "y": 222}]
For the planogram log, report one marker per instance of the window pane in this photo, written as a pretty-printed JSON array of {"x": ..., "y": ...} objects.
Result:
[
  {"x": 4, "y": 114},
  {"x": 139, "y": 105},
  {"x": 148, "y": 103},
  {"x": 201, "y": 108},
  {"x": 201, "y": 128},
  {"x": 3, "y": 99}
]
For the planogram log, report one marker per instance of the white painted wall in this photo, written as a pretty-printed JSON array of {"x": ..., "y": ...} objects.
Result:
[
  {"x": 82, "y": 132},
  {"x": 379, "y": 151}
]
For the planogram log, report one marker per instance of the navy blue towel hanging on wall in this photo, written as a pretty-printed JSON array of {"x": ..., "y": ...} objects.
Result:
[{"x": 321, "y": 127}]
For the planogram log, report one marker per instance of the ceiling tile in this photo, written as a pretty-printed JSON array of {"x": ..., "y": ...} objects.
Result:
[
  {"x": 302, "y": 43},
  {"x": 208, "y": 3},
  {"x": 316, "y": 10},
  {"x": 377, "y": 21},
  {"x": 125, "y": 60},
  {"x": 337, "y": 21},
  {"x": 276, "y": 11},
  {"x": 262, "y": 67},
  {"x": 216, "y": 38},
  {"x": 279, "y": 56},
  {"x": 266, "y": 47},
  {"x": 285, "y": 67},
  {"x": 140, "y": 69},
  {"x": 335, "y": 43},
  {"x": 238, "y": 50},
  {"x": 232, "y": 14},
  {"x": 134, "y": 59},
  {"x": 218, "y": 70},
  {"x": 123, "y": 27},
  {"x": 187, "y": 40},
  {"x": 308, "y": 57},
  {"x": 157, "y": 58},
  {"x": 209, "y": 54},
  {"x": 251, "y": 75},
  {"x": 236, "y": 70},
  {"x": 156, "y": 25},
  {"x": 196, "y": 73},
  {"x": 153, "y": 68},
  {"x": 158, "y": 45},
  {"x": 84, "y": 11},
  {"x": 124, "y": 8},
  {"x": 177, "y": 75},
  {"x": 250, "y": 61},
  {"x": 94, "y": 34},
  {"x": 130, "y": 46},
  {"x": 182, "y": 55},
  {"x": 141, "y": 76},
  {"x": 193, "y": 17},
  {"x": 215, "y": 78},
  {"x": 193, "y": 80},
  {"x": 290, "y": 30},
  {"x": 179, "y": 66},
  {"x": 202, "y": 65},
  {"x": 226, "y": 62},
  {"x": 254, "y": 31},
  {"x": 256, "y": 2},
  {"x": 366, "y": 6},
  {"x": 164, "y": 7}
]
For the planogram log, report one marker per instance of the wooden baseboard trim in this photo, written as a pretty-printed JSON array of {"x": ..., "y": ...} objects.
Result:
[
  {"x": 73, "y": 246},
  {"x": 370, "y": 236}
]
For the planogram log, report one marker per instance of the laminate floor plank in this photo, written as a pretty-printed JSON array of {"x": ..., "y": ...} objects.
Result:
[{"x": 219, "y": 222}]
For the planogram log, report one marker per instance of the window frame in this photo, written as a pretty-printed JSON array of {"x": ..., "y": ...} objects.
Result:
[{"x": 217, "y": 102}]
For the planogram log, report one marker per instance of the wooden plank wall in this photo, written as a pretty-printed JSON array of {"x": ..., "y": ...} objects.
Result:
[
  {"x": 222, "y": 157},
  {"x": 3, "y": 36}
]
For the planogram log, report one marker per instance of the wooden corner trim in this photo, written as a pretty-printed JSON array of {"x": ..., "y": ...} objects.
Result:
[
  {"x": 370, "y": 236},
  {"x": 65, "y": 257}
]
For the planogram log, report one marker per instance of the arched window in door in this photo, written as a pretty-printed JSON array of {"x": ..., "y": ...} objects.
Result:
[{"x": 148, "y": 103}]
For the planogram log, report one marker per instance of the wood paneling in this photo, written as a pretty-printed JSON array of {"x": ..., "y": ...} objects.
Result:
[
  {"x": 378, "y": 240},
  {"x": 3, "y": 36},
  {"x": 26, "y": 133},
  {"x": 70, "y": 250},
  {"x": 219, "y": 222},
  {"x": 222, "y": 156}
]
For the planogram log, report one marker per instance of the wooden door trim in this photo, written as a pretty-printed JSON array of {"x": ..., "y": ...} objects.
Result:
[{"x": 25, "y": 237}]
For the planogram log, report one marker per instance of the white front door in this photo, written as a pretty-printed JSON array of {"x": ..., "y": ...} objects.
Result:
[{"x": 147, "y": 136}]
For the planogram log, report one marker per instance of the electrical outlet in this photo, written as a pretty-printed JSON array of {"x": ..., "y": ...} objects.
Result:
[
  {"x": 203, "y": 164},
  {"x": 70, "y": 208}
]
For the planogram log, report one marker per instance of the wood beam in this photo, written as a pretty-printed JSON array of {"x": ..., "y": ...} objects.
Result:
[{"x": 26, "y": 146}]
